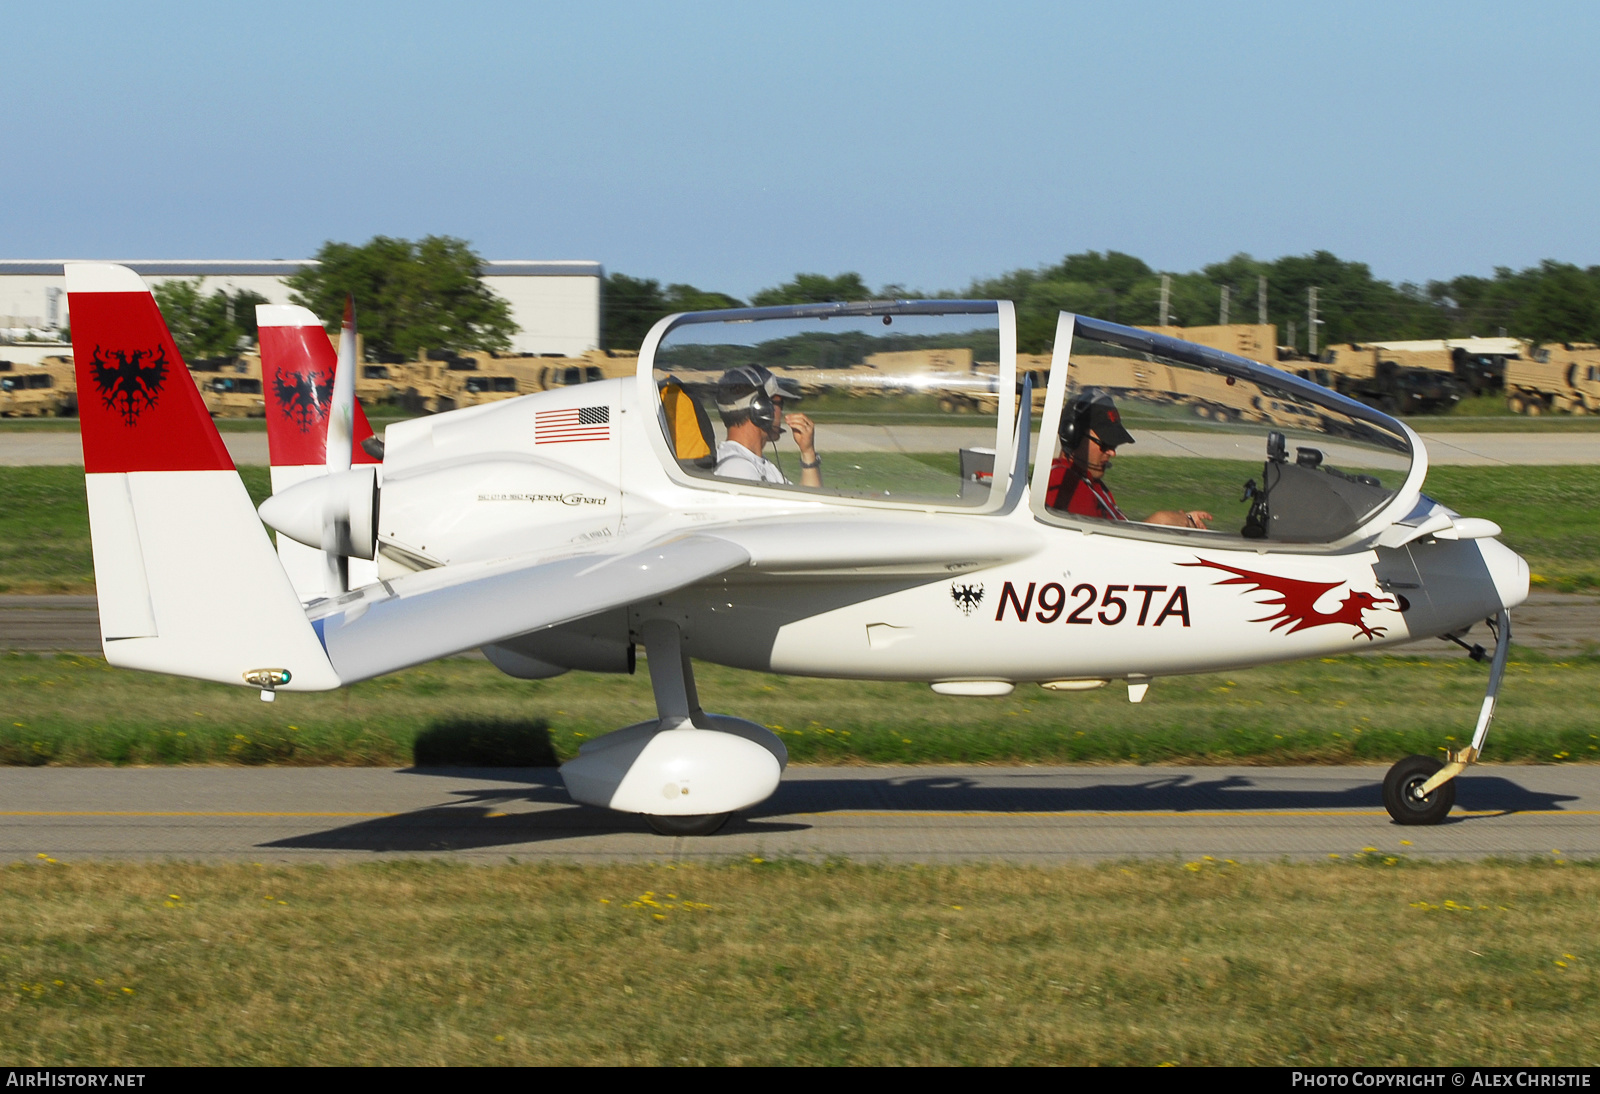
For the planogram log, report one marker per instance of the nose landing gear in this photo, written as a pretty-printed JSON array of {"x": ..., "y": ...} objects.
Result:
[
  {"x": 1402, "y": 795},
  {"x": 1421, "y": 790}
]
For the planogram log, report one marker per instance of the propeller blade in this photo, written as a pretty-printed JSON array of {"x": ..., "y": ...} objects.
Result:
[
  {"x": 341, "y": 426},
  {"x": 342, "y": 407}
]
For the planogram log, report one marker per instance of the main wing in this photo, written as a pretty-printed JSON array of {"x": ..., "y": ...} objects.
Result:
[{"x": 434, "y": 613}]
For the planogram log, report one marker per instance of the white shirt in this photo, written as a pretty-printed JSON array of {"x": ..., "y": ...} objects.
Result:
[{"x": 735, "y": 461}]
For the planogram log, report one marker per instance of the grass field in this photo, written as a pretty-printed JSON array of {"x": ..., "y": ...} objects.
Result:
[
  {"x": 1375, "y": 960},
  {"x": 77, "y": 711},
  {"x": 1547, "y": 513},
  {"x": 44, "y": 528}
]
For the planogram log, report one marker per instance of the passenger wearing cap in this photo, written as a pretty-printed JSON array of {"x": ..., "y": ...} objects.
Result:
[
  {"x": 1091, "y": 431},
  {"x": 751, "y": 402}
]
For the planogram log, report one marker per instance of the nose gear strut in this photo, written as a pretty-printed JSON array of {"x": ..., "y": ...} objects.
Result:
[{"x": 1420, "y": 790}]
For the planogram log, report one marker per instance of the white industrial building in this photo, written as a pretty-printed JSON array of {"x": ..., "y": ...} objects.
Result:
[{"x": 555, "y": 305}]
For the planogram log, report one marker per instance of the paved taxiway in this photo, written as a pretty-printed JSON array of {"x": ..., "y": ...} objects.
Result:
[{"x": 900, "y": 814}]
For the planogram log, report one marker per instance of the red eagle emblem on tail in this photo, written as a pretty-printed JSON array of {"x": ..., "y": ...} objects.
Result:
[{"x": 1297, "y": 601}]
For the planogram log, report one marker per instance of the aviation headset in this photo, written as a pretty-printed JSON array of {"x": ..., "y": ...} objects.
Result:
[
  {"x": 1078, "y": 418},
  {"x": 1075, "y": 420},
  {"x": 749, "y": 390}
]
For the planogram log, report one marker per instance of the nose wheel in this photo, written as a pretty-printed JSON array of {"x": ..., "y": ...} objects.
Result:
[
  {"x": 1403, "y": 797},
  {"x": 1420, "y": 789}
]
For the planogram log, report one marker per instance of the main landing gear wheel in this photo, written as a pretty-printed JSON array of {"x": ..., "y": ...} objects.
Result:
[
  {"x": 1404, "y": 780},
  {"x": 697, "y": 824}
]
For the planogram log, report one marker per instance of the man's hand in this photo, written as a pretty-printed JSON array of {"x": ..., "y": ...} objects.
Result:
[{"x": 804, "y": 431}]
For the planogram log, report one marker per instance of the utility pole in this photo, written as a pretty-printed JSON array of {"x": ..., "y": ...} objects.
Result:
[
  {"x": 1312, "y": 320},
  {"x": 1166, "y": 296},
  {"x": 1261, "y": 300},
  {"x": 1292, "y": 335},
  {"x": 1222, "y": 311}
]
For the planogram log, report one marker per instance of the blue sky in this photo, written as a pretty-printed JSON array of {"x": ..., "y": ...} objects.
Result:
[{"x": 730, "y": 145}]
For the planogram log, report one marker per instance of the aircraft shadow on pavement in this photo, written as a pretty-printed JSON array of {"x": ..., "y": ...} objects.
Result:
[
  {"x": 496, "y": 816},
  {"x": 1116, "y": 792}
]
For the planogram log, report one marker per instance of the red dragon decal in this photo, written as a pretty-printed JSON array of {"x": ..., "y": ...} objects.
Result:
[{"x": 1297, "y": 601}]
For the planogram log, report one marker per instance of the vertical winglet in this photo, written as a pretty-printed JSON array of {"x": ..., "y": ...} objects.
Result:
[
  {"x": 186, "y": 578},
  {"x": 298, "y": 364},
  {"x": 138, "y": 408}
]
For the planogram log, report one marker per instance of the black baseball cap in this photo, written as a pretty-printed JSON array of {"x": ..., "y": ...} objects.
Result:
[{"x": 1095, "y": 413}]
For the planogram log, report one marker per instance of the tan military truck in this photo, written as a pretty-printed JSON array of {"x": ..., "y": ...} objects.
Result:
[
  {"x": 1478, "y": 364},
  {"x": 1205, "y": 399},
  {"x": 1395, "y": 377},
  {"x": 1207, "y": 396},
  {"x": 961, "y": 385},
  {"x": 1258, "y": 342},
  {"x": 547, "y": 372},
  {"x": 231, "y": 386},
  {"x": 48, "y": 389},
  {"x": 1558, "y": 376},
  {"x": 441, "y": 380}
]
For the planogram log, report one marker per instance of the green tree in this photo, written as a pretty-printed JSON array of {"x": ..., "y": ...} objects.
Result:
[
  {"x": 1564, "y": 305},
  {"x": 633, "y": 305},
  {"x": 1112, "y": 285},
  {"x": 218, "y": 325},
  {"x": 1116, "y": 271},
  {"x": 1550, "y": 302},
  {"x": 409, "y": 295},
  {"x": 809, "y": 288},
  {"x": 1352, "y": 304}
]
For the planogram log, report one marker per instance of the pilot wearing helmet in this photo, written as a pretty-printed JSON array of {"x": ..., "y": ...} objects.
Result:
[
  {"x": 751, "y": 402},
  {"x": 1091, "y": 431}
]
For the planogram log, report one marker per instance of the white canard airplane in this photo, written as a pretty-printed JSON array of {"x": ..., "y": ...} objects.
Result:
[{"x": 564, "y": 529}]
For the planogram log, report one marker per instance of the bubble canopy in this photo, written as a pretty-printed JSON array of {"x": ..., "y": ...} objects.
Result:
[
  {"x": 898, "y": 403},
  {"x": 1261, "y": 453}
]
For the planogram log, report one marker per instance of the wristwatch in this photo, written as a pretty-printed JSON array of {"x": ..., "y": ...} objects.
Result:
[{"x": 812, "y": 466}]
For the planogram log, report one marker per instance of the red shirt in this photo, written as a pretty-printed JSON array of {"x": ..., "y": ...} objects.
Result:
[{"x": 1083, "y": 498}]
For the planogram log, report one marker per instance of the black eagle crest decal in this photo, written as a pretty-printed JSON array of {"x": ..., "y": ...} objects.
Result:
[
  {"x": 967, "y": 597},
  {"x": 132, "y": 384},
  {"x": 304, "y": 396}
]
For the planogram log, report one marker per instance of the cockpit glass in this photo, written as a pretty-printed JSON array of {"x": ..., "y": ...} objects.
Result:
[
  {"x": 888, "y": 406},
  {"x": 1216, "y": 451}
]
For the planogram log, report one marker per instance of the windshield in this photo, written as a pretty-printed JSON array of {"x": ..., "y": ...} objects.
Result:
[
  {"x": 1151, "y": 432},
  {"x": 889, "y": 402}
]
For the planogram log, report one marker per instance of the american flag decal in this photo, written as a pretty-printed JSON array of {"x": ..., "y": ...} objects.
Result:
[{"x": 587, "y": 423}]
